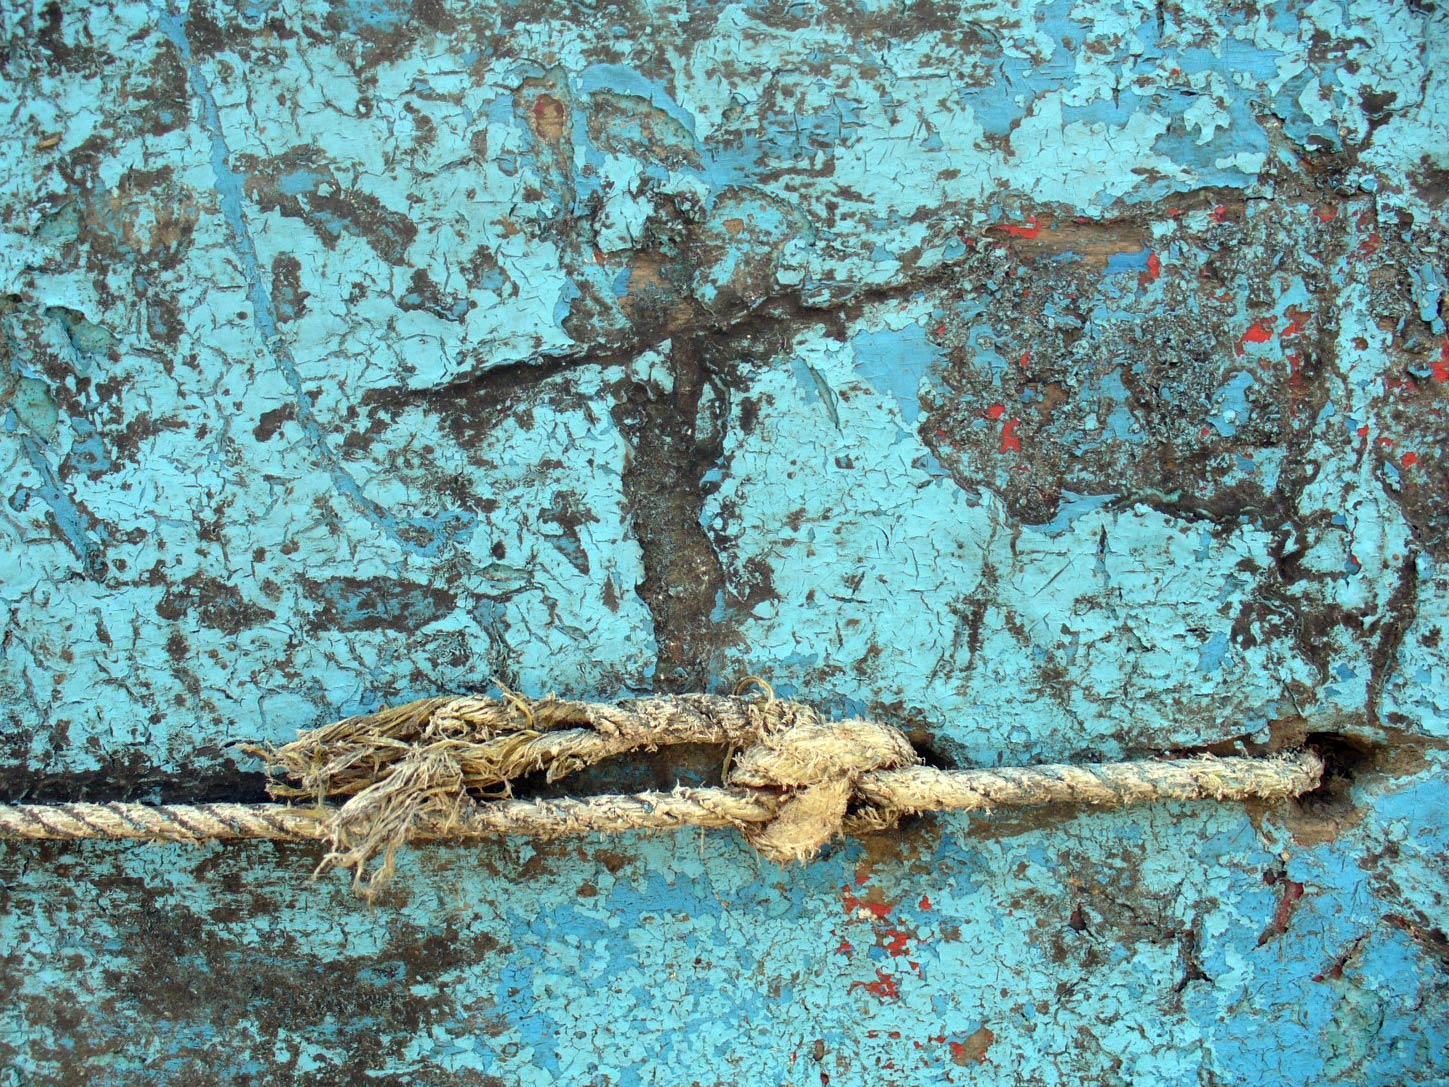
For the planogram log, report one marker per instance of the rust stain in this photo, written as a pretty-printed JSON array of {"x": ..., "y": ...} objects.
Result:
[
  {"x": 973, "y": 1049},
  {"x": 549, "y": 118}
]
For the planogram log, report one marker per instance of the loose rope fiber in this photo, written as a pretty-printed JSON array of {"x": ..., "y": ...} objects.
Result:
[{"x": 442, "y": 768}]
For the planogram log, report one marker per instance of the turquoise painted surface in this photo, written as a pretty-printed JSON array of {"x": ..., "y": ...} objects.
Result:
[{"x": 1056, "y": 381}]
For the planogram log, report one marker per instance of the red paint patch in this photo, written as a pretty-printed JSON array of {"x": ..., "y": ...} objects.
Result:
[
  {"x": 1220, "y": 213},
  {"x": 1408, "y": 460},
  {"x": 1260, "y": 332},
  {"x": 1441, "y": 368},
  {"x": 1030, "y": 230},
  {"x": 926, "y": 902},
  {"x": 898, "y": 942},
  {"x": 996, "y": 411},
  {"x": 1010, "y": 443},
  {"x": 884, "y": 986},
  {"x": 1327, "y": 213},
  {"x": 1297, "y": 320},
  {"x": 1026, "y": 358},
  {"x": 877, "y": 907},
  {"x": 1154, "y": 269}
]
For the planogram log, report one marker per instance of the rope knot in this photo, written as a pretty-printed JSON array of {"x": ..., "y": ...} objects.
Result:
[{"x": 815, "y": 766}]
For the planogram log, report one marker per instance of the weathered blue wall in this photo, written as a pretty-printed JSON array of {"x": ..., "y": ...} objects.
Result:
[{"x": 1056, "y": 381}]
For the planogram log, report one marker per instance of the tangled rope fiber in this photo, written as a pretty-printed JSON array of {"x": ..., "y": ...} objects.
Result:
[{"x": 443, "y": 768}]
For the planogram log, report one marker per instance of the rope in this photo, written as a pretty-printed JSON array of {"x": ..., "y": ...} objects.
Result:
[{"x": 441, "y": 768}]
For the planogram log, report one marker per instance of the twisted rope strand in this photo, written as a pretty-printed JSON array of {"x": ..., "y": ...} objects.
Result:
[
  {"x": 681, "y": 807},
  {"x": 912, "y": 791},
  {"x": 1109, "y": 784}
]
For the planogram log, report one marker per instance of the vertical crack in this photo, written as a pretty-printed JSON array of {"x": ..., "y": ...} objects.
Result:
[{"x": 683, "y": 577}]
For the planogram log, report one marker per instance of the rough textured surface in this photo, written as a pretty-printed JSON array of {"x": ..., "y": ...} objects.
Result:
[{"x": 1051, "y": 380}]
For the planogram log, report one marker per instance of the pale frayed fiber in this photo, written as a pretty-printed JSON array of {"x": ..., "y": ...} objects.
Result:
[{"x": 443, "y": 769}]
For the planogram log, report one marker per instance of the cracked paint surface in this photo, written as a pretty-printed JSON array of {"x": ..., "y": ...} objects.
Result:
[{"x": 1059, "y": 380}]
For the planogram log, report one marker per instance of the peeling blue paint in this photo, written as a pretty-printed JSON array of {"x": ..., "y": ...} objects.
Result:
[
  {"x": 268, "y": 464},
  {"x": 896, "y": 363}
]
